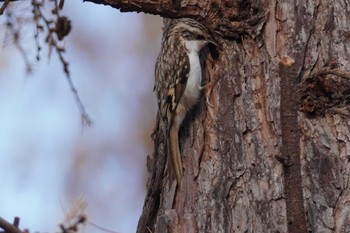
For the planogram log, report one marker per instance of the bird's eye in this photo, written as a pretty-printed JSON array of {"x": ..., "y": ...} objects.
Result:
[
  {"x": 187, "y": 35},
  {"x": 200, "y": 37}
]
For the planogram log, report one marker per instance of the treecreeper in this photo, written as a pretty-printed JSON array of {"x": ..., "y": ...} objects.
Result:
[{"x": 178, "y": 79}]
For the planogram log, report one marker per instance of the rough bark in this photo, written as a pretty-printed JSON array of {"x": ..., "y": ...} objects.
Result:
[
  {"x": 230, "y": 19},
  {"x": 272, "y": 155}
]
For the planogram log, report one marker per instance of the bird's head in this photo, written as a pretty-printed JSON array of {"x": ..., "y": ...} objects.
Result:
[{"x": 192, "y": 34}]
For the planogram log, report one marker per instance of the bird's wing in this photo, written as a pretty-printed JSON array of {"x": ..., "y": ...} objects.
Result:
[{"x": 172, "y": 74}]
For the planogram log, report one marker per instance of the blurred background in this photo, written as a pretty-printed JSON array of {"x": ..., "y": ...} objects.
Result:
[{"x": 48, "y": 160}]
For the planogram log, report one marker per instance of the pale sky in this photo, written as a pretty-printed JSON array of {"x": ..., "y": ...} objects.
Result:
[{"x": 48, "y": 160}]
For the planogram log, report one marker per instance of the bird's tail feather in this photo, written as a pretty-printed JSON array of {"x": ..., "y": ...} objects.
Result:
[{"x": 174, "y": 153}]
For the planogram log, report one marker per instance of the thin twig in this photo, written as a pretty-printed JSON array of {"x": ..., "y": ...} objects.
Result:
[
  {"x": 84, "y": 116},
  {"x": 52, "y": 43},
  {"x": 57, "y": 9},
  {"x": 16, "y": 38},
  {"x": 101, "y": 228}
]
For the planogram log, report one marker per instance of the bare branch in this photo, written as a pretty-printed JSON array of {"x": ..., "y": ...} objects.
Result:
[
  {"x": 85, "y": 118},
  {"x": 230, "y": 20},
  {"x": 8, "y": 227},
  {"x": 2, "y": 9},
  {"x": 16, "y": 35},
  {"x": 61, "y": 30}
]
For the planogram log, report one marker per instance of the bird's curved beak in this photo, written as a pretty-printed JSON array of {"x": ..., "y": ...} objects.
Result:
[{"x": 213, "y": 42}]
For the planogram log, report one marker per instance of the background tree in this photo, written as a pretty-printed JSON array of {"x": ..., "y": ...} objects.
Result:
[{"x": 272, "y": 155}]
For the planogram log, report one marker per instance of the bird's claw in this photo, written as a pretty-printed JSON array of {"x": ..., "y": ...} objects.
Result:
[{"x": 209, "y": 86}]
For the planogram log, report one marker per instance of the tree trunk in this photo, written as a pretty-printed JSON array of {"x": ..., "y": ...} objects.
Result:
[{"x": 272, "y": 154}]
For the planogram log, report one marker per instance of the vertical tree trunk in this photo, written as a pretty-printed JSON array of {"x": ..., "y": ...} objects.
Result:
[{"x": 272, "y": 154}]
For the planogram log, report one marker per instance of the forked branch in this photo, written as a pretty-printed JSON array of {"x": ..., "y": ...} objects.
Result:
[{"x": 8, "y": 227}]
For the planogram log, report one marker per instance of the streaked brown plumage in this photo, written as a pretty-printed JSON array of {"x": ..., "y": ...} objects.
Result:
[{"x": 178, "y": 77}]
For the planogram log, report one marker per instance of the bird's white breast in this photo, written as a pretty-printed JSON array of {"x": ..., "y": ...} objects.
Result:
[{"x": 192, "y": 89}]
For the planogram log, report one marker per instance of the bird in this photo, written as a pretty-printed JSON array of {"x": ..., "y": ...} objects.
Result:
[{"x": 178, "y": 78}]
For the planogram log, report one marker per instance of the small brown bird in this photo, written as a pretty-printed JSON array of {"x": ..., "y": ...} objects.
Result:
[{"x": 178, "y": 78}]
